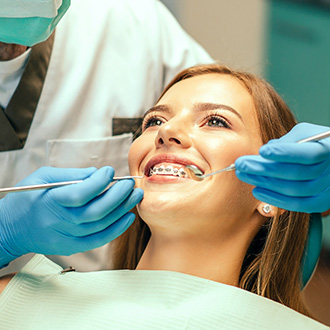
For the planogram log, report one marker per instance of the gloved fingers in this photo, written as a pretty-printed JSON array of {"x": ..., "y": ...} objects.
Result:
[
  {"x": 66, "y": 244},
  {"x": 258, "y": 165},
  {"x": 319, "y": 203},
  {"x": 285, "y": 187},
  {"x": 105, "y": 236},
  {"x": 79, "y": 194},
  {"x": 88, "y": 228},
  {"x": 107, "y": 202},
  {"x": 298, "y": 153},
  {"x": 52, "y": 174}
]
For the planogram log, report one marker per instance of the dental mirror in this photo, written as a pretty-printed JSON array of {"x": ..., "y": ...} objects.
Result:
[{"x": 196, "y": 174}]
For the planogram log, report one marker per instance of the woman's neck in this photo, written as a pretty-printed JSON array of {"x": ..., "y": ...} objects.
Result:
[{"x": 211, "y": 258}]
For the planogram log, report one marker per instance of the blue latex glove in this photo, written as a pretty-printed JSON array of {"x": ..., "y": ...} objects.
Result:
[
  {"x": 288, "y": 175},
  {"x": 65, "y": 220}
]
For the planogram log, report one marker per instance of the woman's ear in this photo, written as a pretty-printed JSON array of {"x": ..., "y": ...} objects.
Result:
[{"x": 268, "y": 210}]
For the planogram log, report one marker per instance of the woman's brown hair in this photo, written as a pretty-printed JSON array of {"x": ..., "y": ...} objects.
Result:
[{"x": 272, "y": 265}]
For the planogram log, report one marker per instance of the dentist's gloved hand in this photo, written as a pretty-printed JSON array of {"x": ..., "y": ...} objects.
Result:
[
  {"x": 289, "y": 175},
  {"x": 65, "y": 220}
]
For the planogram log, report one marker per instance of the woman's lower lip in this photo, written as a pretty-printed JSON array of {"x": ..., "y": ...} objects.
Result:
[{"x": 164, "y": 178}]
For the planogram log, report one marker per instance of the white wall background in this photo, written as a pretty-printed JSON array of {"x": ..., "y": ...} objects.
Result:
[{"x": 232, "y": 31}]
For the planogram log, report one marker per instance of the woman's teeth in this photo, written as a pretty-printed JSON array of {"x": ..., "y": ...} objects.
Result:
[{"x": 168, "y": 170}]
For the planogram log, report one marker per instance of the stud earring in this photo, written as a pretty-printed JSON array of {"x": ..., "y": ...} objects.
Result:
[{"x": 267, "y": 208}]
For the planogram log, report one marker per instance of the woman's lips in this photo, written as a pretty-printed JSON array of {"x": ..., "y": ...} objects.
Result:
[{"x": 168, "y": 165}]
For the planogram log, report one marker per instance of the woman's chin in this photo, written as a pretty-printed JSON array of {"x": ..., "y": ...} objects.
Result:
[
  {"x": 163, "y": 204},
  {"x": 155, "y": 204}
]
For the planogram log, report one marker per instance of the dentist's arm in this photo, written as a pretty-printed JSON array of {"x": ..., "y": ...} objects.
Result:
[
  {"x": 65, "y": 220},
  {"x": 289, "y": 175}
]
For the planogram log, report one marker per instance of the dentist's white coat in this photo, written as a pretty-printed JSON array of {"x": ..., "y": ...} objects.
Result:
[{"x": 111, "y": 59}]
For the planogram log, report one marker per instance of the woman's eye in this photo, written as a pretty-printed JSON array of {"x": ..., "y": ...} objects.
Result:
[
  {"x": 152, "y": 122},
  {"x": 216, "y": 121}
]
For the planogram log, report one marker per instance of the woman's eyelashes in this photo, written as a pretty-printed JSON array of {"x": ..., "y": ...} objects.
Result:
[
  {"x": 212, "y": 120},
  {"x": 215, "y": 121},
  {"x": 150, "y": 121}
]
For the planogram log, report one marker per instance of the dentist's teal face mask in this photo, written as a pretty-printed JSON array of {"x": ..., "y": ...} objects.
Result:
[{"x": 32, "y": 25}]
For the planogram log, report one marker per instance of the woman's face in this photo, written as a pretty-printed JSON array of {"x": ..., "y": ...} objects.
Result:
[{"x": 208, "y": 121}]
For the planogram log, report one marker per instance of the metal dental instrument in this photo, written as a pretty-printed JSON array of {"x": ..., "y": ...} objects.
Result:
[
  {"x": 196, "y": 174},
  {"x": 316, "y": 137},
  {"x": 58, "y": 184},
  {"x": 192, "y": 171}
]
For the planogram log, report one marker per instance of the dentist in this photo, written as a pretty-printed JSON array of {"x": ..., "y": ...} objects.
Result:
[{"x": 74, "y": 85}]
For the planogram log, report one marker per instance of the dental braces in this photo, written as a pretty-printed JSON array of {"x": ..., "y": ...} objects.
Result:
[{"x": 169, "y": 170}]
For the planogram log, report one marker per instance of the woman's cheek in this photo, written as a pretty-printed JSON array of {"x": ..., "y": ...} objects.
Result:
[
  {"x": 227, "y": 150},
  {"x": 244, "y": 147},
  {"x": 134, "y": 156},
  {"x": 139, "y": 151}
]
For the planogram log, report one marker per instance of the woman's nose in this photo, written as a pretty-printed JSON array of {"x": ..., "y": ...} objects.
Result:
[{"x": 173, "y": 133}]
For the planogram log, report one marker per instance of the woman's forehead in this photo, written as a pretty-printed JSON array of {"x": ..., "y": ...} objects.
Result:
[{"x": 211, "y": 88}]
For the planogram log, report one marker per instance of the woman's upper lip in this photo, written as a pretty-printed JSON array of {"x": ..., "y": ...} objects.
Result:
[{"x": 168, "y": 158}]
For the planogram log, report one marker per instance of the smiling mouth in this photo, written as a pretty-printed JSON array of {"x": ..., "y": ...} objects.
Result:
[{"x": 167, "y": 169}]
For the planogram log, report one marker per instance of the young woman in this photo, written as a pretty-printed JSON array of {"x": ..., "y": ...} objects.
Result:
[
  {"x": 196, "y": 244},
  {"x": 209, "y": 116}
]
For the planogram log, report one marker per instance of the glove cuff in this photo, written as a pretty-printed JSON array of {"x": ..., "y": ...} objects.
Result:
[{"x": 5, "y": 256}]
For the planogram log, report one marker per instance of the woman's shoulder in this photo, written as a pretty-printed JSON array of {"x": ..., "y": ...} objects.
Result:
[{"x": 4, "y": 281}]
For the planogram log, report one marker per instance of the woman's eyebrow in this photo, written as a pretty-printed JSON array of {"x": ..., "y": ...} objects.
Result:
[
  {"x": 214, "y": 106},
  {"x": 160, "y": 107},
  {"x": 197, "y": 107}
]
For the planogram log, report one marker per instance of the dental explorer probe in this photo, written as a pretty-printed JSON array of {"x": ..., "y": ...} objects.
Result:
[
  {"x": 192, "y": 171},
  {"x": 59, "y": 184},
  {"x": 196, "y": 174}
]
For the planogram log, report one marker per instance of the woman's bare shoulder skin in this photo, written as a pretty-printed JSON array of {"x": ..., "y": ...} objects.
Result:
[{"x": 4, "y": 280}]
